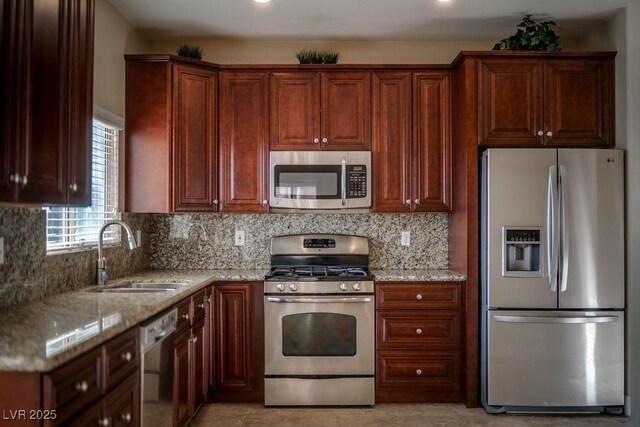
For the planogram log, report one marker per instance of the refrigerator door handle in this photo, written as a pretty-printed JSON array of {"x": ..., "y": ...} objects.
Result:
[
  {"x": 564, "y": 240},
  {"x": 559, "y": 319},
  {"x": 552, "y": 228}
]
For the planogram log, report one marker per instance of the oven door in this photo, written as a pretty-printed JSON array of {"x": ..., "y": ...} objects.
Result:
[{"x": 319, "y": 335}]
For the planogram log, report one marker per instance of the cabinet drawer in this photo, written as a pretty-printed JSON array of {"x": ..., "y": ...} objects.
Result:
[
  {"x": 184, "y": 315},
  {"x": 122, "y": 405},
  {"x": 122, "y": 356},
  {"x": 418, "y": 370},
  {"x": 418, "y": 295},
  {"x": 419, "y": 329},
  {"x": 199, "y": 305},
  {"x": 74, "y": 386}
]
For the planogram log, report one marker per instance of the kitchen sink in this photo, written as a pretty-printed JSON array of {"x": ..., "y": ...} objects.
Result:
[{"x": 143, "y": 287}]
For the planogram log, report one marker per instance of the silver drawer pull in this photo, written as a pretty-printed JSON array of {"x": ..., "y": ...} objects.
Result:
[
  {"x": 549, "y": 134},
  {"x": 419, "y": 297},
  {"x": 104, "y": 422},
  {"x": 418, "y": 331},
  {"x": 418, "y": 371},
  {"x": 195, "y": 340},
  {"x": 126, "y": 417},
  {"x": 201, "y": 305},
  {"x": 82, "y": 386},
  {"x": 185, "y": 316},
  {"x": 126, "y": 356}
]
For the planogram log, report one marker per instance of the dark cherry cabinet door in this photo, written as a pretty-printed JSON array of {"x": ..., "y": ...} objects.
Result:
[
  {"x": 80, "y": 100},
  {"x": 122, "y": 405},
  {"x": 391, "y": 148},
  {"x": 233, "y": 311},
  {"x": 432, "y": 142},
  {"x": 199, "y": 365},
  {"x": 579, "y": 102},
  {"x": 181, "y": 378},
  {"x": 295, "y": 111},
  {"x": 346, "y": 111},
  {"x": 195, "y": 134},
  {"x": 244, "y": 141},
  {"x": 510, "y": 110}
]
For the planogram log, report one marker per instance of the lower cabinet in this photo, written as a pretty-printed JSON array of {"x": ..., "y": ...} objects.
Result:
[
  {"x": 239, "y": 343},
  {"x": 419, "y": 342},
  {"x": 181, "y": 378}
]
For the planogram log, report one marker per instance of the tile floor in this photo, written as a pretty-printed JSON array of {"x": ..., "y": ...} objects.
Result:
[{"x": 406, "y": 415}]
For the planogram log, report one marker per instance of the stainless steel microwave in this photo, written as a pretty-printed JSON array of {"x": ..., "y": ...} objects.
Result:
[{"x": 320, "y": 179}]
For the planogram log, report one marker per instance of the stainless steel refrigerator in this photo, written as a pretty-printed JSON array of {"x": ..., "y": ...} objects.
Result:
[{"x": 552, "y": 280}]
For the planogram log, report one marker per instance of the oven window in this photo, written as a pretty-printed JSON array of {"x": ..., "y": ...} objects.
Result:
[
  {"x": 318, "y": 334},
  {"x": 307, "y": 182}
]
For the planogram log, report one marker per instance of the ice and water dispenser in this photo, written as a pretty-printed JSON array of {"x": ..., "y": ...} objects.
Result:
[{"x": 521, "y": 252}]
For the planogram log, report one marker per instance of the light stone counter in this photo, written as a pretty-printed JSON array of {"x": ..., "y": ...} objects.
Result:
[
  {"x": 418, "y": 276},
  {"x": 41, "y": 336}
]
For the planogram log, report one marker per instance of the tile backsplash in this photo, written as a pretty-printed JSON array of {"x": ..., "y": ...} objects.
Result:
[{"x": 206, "y": 241}]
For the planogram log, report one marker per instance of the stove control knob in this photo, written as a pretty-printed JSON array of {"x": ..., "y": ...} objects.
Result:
[
  {"x": 280, "y": 287},
  {"x": 343, "y": 287},
  {"x": 356, "y": 286},
  {"x": 293, "y": 287}
]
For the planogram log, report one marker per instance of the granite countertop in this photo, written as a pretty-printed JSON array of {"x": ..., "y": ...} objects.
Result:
[
  {"x": 418, "y": 276},
  {"x": 43, "y": 335}
]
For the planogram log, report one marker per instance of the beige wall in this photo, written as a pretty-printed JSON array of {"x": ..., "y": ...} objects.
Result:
[
  {"x": 114, "y": 36},
  {"x": 351, "y": 52}
]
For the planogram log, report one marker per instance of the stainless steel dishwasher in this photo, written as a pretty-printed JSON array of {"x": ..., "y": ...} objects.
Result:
[{"x": 156, "y": 339}]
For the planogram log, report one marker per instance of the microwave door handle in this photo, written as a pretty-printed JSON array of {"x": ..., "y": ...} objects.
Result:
[{"x": 344, "y": 181}]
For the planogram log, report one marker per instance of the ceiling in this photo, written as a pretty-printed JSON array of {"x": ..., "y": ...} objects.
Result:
[{"x": 356, "y": 19}]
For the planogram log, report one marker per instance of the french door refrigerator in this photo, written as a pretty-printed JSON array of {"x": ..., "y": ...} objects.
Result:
[{"x": 552, "y": 280}]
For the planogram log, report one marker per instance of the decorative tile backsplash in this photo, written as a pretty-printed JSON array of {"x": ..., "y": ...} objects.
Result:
[{"x": 205, "y": 241}]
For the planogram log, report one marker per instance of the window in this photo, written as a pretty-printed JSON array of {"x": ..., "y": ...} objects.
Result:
[{"x": 68, "y": 227}]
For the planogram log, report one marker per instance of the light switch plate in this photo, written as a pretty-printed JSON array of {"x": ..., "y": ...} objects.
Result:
[
  {"x": 405, "y": 238},
  {"x": 1, "y": 250},
  {"x": 239, "y": 238}
]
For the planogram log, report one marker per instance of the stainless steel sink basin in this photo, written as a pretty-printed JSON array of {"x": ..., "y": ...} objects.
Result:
[{"x": 142, "y": 287}]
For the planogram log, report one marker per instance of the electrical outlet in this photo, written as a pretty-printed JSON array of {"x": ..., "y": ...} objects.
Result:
[
  {"x": 139, "y": 238},
  {"x": 405, "y": 238},
  {"x": 239, "y": 239},
  {"x": 1, "y": 250}
]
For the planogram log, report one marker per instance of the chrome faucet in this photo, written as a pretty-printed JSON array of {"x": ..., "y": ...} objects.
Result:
[{"x": 103, "y": 275}]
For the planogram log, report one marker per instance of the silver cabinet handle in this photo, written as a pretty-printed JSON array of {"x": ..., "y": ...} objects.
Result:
[
  {"x": 419, "y": 297},
  {"x": 215, "y": 201},
  {"x": 407, "y": 202},
  {"x": 265, "y": 202},
  {"x": 416, "y": 201},
  {"x": 418, "y": 371},
  {"x": 316, "y": 140},
  {"x": 73, "y": 187},
  {"x": 418, "y": 331},
  {"x": 185, "y": 316},
  {"x": 82, "y": 386},
  {"x": 344, "y": 180},
  {"x": 24, "y": 180},
  {"x": 325, "y": 141},
  {"x": 13, "y": 178},
  {"x": 540, "y": 133},
  {"x": 195, "y": 340},
  {"x": 126, "y": 417},
  {"x": 549, "y": 134},
  {"x": 126, "y": 356},
  {"x": 104, "y": 422},
  {"x": 552, "y": 228},
  {"x": 201, "y": 305},
  {"x": 557, "y": 319}
]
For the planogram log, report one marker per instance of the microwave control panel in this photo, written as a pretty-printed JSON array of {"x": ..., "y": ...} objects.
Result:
[{"x": 357, "y": 181}]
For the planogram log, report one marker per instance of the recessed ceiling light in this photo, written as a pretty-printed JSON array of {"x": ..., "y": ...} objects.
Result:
[
  {"x": 443, "y": 1},
  {"x": 267, "y": 1}
]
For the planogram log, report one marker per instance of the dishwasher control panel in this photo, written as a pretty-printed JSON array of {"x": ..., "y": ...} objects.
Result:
[{"x": 158, "y": 328}]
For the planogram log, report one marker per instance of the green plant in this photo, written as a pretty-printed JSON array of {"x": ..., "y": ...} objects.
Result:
[
  {"x": 190, "y": 51},
  {"x": 532, "y": 35},
  {"x": 316, "y": 56}
]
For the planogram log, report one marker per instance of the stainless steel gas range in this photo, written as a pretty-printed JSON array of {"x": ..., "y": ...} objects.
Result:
[{"x": 319, "y": 322}]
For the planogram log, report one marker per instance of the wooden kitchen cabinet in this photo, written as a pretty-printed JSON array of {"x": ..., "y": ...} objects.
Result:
[
  {"x": 182, "y": 381},
  {"x": 47, "y": 101},
  {"x": 171, "y": 138},
  {"x": 239, "y": 343},
  {"x": 320, "y": 111},
  {"x": 419, "y": 342},
  {"x": 244, "y": 141},
  {"x": 412, "y": 157},
  {"x": 551, "y": 101}
]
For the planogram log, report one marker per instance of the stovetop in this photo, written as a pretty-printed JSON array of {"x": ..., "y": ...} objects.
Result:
[{"x": 317, "y": 272}]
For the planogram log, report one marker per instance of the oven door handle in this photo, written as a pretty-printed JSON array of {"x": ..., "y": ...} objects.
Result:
[
  {"x": 344, "y": 181},
  {"x": 304, "y": 300}
]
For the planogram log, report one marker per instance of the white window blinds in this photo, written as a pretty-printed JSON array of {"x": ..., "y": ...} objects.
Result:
[{"x": 68, "y": 227}]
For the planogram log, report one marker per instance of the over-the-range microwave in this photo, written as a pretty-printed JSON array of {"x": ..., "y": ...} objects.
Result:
[{"x": 320, "y": 179}]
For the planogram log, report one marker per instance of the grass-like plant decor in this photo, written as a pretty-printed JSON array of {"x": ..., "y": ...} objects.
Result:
[
  {"x": 318, "y": 56},
  {"x": 190, "y": 51}
]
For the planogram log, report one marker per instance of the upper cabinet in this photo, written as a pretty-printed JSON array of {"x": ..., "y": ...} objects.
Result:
[
  {"x": 171, "y": 137},
  {"x": 244, "y": 141},
  {"x": 320, "y": 110},
  {"x": 412, "y": 142},
  {"x": 554, "y": 101},
  {"x": 47, "y": 101}
]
